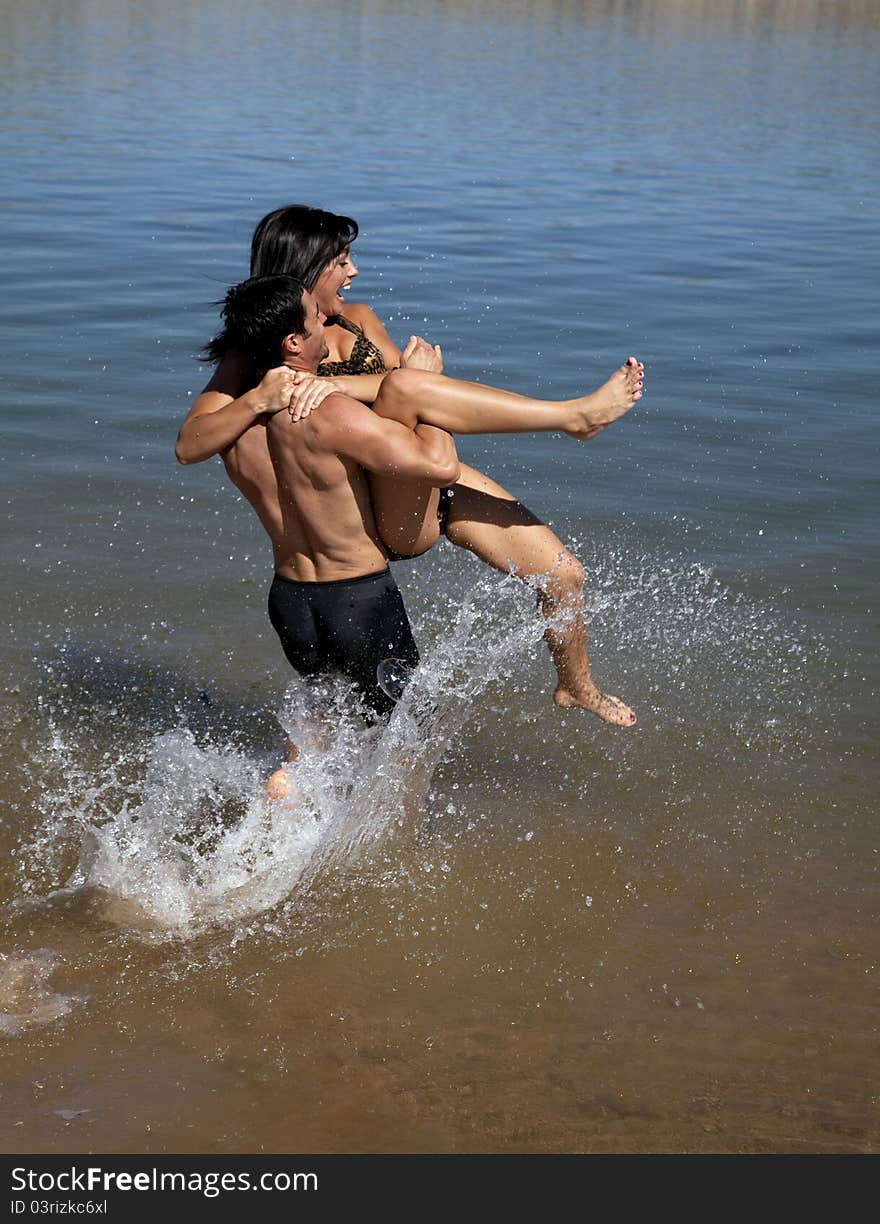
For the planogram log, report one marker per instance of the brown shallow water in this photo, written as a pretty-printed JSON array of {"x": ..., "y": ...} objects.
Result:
[{"x": 613, "y": 973}]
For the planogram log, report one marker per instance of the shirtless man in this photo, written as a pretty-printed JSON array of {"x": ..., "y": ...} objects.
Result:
[{"x": 333, "y": 601}]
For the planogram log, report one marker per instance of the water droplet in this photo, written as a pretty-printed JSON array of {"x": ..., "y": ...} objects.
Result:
[{"x": 392, "y": 676}]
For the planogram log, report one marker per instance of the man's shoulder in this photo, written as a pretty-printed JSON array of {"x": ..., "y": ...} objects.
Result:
[
  {"x": 339, "y": 411},
  {"x": 341, "y": 404}
]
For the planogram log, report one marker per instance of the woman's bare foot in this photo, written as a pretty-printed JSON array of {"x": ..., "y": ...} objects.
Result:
[
  {"x": 609, "y": 709},
  {"x": 591, "y": 413}
]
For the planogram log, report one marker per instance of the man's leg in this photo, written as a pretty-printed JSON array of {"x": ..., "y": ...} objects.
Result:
[
  {"x": 291, "y": 616},
  {"x": 278, "y": 784},
  {"x": 366, "y": 625}
]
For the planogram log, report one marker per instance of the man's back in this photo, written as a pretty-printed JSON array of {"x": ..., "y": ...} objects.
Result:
[{"x": 313, "y": 501}]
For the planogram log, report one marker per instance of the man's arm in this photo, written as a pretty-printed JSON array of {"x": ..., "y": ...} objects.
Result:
[{"x": 386, "y": 447}]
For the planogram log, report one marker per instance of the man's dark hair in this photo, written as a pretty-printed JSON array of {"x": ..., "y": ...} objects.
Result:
[
  {"x": 257, "y": 315},
  {"x": 300, "y": 241}
]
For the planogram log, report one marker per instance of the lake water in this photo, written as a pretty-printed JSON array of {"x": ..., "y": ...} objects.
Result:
[{"x": 510, "y": 929}]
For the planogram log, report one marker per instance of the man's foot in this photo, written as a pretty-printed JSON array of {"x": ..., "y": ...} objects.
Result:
[
  {"x": 609, "y": 709},
  {"x": 279, "y": 786},
  {"x": 591, "y": 413}
]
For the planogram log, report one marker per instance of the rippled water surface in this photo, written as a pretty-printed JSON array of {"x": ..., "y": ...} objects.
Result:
[{"x": 492, "y": 926}]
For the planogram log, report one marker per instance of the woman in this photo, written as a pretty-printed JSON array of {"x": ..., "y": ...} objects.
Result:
[{"x": 478, "y": 514}]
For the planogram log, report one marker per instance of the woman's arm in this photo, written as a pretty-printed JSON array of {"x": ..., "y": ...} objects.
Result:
[
  {"x": 225, "y": 410},
  {"x": 362, "y": 387},
  {"x": 418, "y": 354}
]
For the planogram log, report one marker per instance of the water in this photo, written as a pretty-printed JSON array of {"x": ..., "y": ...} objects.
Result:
[{"x": 493, "y": 927}]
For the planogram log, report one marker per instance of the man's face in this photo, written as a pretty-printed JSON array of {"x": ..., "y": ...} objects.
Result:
[{"x": 313, "y": 346}]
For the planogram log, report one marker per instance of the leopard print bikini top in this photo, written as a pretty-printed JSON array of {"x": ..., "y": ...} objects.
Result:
[{"x": 364, "y": 358}]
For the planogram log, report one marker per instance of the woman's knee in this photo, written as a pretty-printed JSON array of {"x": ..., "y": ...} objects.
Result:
[
  {"x": 565, "y": 579},
  {"x": 401, "y": 391},
  {"x": 573, "y": 573}
]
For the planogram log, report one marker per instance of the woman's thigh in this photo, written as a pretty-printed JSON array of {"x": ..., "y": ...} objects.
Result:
[
  {"x": 490, "y": 522},
  {"x": 406, "y": 514}
]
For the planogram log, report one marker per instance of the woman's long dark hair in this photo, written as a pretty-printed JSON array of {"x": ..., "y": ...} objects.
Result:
[{"x": 299, "y": 241}]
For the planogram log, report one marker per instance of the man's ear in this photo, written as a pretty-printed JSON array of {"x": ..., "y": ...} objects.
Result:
[{"x": 290, "y": 345}]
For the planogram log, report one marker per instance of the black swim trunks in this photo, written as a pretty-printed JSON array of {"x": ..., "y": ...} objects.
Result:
[
  {"x": 444, "y": 505},
  {"x": 348, "y": 627}
]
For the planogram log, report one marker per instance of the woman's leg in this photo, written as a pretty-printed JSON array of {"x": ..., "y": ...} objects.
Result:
[
  {"x": 406, "y": 512},
  {"x": 483, "y": 518},
  {"x": 416, "y": 397},
  {"x": 486, "y": 520}
]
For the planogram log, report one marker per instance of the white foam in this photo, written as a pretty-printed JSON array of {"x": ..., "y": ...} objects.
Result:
[{"x": 200, "y": 843}]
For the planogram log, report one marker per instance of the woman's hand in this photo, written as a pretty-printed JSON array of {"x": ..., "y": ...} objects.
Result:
[
  {"x": 273, "y": 393},
  {"x": 308, "y": 392},
  {"x": 420, "y": 355}
]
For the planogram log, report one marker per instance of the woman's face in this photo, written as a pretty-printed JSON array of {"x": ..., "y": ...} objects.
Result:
[{"x": 337, "y": 275}]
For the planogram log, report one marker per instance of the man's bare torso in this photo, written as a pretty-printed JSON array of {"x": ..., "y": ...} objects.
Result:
[{"x": 313, "y": 503}]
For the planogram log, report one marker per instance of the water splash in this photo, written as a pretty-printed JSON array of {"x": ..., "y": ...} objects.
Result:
[
  {"x": 489, "y": 637},
  {"x": 723, "y": 664},
  {"x": 179, "y": 835},
  {"x": 172, "y": 830}
]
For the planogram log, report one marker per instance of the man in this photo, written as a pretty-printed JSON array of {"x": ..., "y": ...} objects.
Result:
[
  {"x": 333, "y": 600},
  {"x": 307, "y": 481}
]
